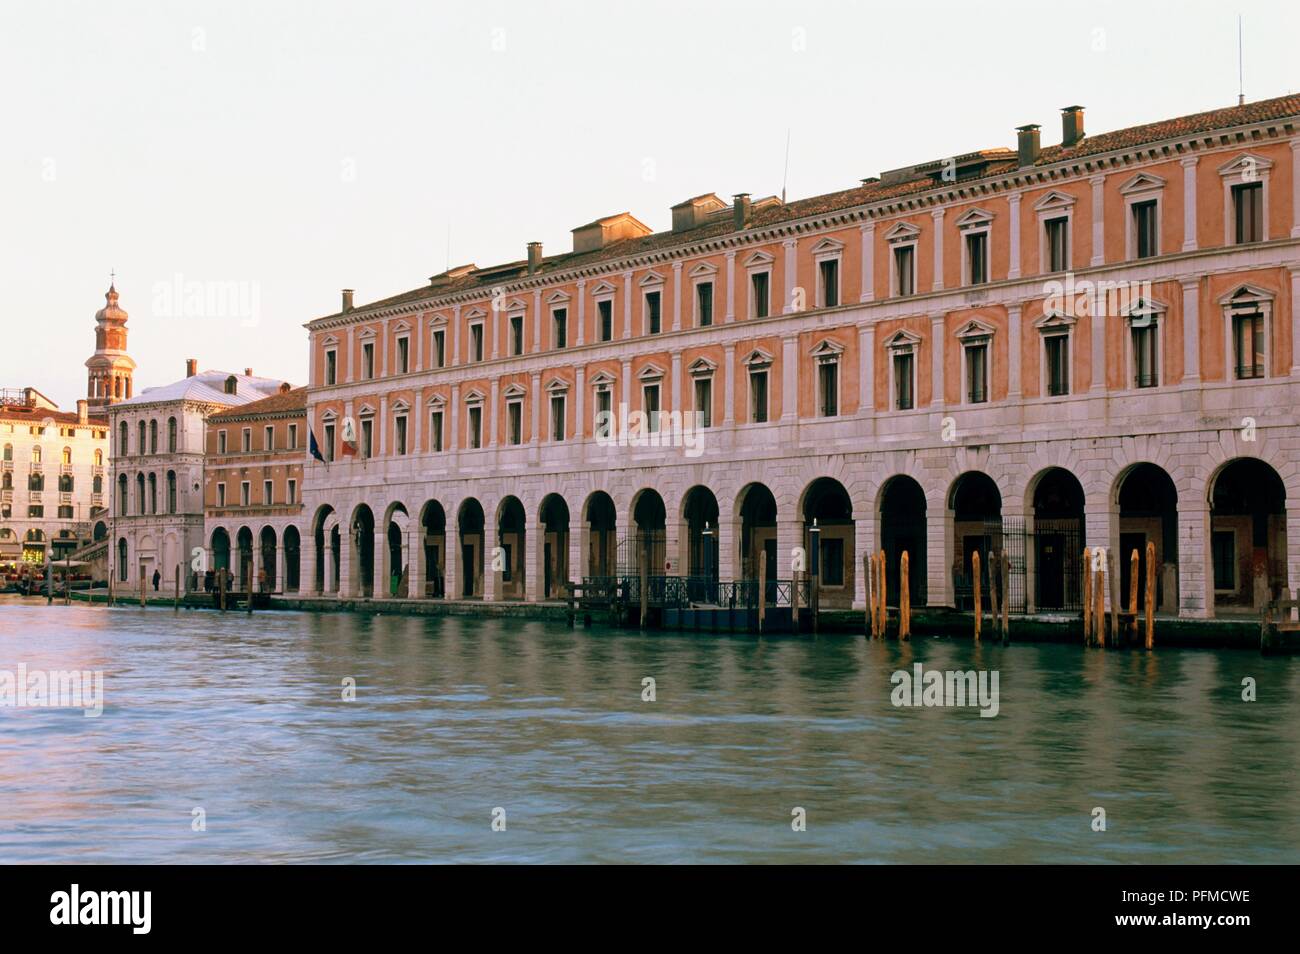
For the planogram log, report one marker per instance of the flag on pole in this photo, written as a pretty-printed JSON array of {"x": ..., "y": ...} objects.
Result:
[
  {"x": 348, "y": 438},
  {"x": 314, "y": 447}
]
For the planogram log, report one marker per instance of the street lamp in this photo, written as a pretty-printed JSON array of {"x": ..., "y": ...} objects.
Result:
[{"x": 708, "y": 554}]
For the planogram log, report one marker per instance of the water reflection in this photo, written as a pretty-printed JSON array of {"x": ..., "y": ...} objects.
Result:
[{"x": 454, "y": 717}]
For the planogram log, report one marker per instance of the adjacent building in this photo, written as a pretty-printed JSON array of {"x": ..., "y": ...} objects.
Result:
[
  {"x": 253, "y": 490},
  {"x": 1030, "y": 349},
  {"x": 53, "y": 474},
  {"x": 159, "y": 439}
]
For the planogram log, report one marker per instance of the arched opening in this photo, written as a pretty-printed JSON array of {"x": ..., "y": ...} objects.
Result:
[
  {"x": 1057, "y": 551},
  {"x": 469, "y": 523},
  {"x": 602, "y": 539},
  {"x": 903, "y": 529},
  {"x": 244, "y": 541},
  {"x": 976, "y": 506},
  {"x": 266, "y": 573},
  {"x": 700, "y": 511},
  {"x": 758, "y": 536},
  {"x": 220, "y": 549},
  {"x": 433, "y": 523},
  {"x": 1247, "y": 536},
  {"x": 101, "y": 530},
  {"x": 554, "y": 518},
  {"x": 326, "y": 542},
  {"x": 396, "y": 564},
  {"x": 292, "y": 559},
  {"x": 1148, "y": 511},
  {"x": 828, "y": 530},
  {"x": 649, "y": 547},
  {"x": 511, "y": 538},
  {"x": 362, "y": 530}
]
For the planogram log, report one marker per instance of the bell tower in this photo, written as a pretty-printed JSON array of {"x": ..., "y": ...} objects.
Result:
[{"x": 108, "y": 378}]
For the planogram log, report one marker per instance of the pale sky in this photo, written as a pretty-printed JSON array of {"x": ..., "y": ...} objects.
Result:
[{"x": 287, "y": 150}]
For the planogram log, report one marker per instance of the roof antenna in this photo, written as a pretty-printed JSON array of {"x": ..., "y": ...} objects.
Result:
[
  {"x": 785, "y": 176},
  {"x": 1241, "y": 89}
]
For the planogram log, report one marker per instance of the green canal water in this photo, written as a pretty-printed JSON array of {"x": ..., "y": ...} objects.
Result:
[{"x": 243, "y": 718}]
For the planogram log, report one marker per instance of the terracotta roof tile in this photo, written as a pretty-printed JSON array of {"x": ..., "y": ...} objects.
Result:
[{"x": 289, "y": 402}]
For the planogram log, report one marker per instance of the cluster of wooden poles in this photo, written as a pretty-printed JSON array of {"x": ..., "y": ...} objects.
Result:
[
  {"x": 877, "y": 610},
  {"x": 1098, "y": 564}
]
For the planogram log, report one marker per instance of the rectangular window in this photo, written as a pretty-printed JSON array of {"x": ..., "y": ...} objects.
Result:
[
  {"x": 605, "y": 318},
  {"x": 221, "y": 442},
  {"x": 268, "y": 493},
  {"x": 761, "y": 293},
  {"x": 515, "y": 422},
  {"x": 65, "y": 513},
  {"x": 435, "y": 431},
  {"x": 331, "y": 367},
  {"x": 977, "y": 259},
  {"x": 246, "y": 439},
  {"x": 368, "y": 360},
  {"x": 36, "y": 510},
  {"x": 832, "y": 562},
  {"x": 476, "y": 342},
  {"x": 650, "y": 404},
  {"x": 604, "y": 414},
  {"x": 291, "y": 497},
  {"x": 1145, "y": 356},
  {"x": 904, "y": 270},
  {"x": 557, "y": 417},
  {"x": 1058, "y": 249},
  {"x": 475, "y": 427},
  {"x": 904, "y": 398},
  {"x": 293, "y": 437},
  {"x": 440, "y": 348},
  {"x": 828, "y": 388},
  {"x": 560, "y": 321},
  {"x": 758, "y": 396},
  {"x": 516, "y": 334},
  {"x": 977, "y": 372},
  {"x": 1248, "y": 209},
  {"x": 1057, "y": 349},
  {"x": 329, "y": 442},
  {"x": 829, "y": 270},
  {"x": 704, "y": 401},
  {"x": 268, "y": 437},
  {"x": 1248, "y": 343},
  {"x": 704, "y": 303},
  {"x": 367, "y": 438},
  {"x": 399, "y": 434},
  {"x": 653, "y": 313},
  {"x": 1223, "y": 547},
  {"x": 245, "y": 493},
  {"x": 221, "y": 495},
  {"x": 1145, "y": 236},
  {"x": 403, "y": 355}
]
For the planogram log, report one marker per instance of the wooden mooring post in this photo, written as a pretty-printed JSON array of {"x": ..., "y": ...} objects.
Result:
[
  {"x": 1087, "y": 596},
  {"x": 904, "y": 599},
  {"x": 794, "y": 601},
  {"x": 882, "y": 605},
  {"x": 176, "y": 600},
  {"x": 762, "y": 592},
  {"x": 221, "y": 589},
  {"x": 1006, "y": 615},
  {"x": 975, "y": 575},
  {"x": 1114, "y": 598},
  {"x": 869, "y": 576},
  {"x": 994, "y": 616},
  {"x": 1099, "y": 598},
  {"x": 1151, "y": 595},
  {"x": 1133, "y": 574}
]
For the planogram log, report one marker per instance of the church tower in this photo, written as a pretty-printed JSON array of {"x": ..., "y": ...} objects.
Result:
[{"x": 110, "y": 367}]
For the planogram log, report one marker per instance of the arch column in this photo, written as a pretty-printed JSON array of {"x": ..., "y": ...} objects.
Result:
[
  {"x": 536, "y": 534},
  {"x": 864, "y": 541},
  {"x": 451, "y": 555},
  {"x": 1292, "y": 544},
  {"x": 307, "y": 567},
  {"x": 345, "y": 567},
  {"x": 938, "y": 552},
  {"x": 281, "y": 570},
  {"x": 379, "y": 565},
  {"x": 491, "y": 540},
  {"x": 728, "y": 541},
  {"x": 789, "y": 534},
  {"x": 578, "y": 548},
  {"x": 414, "y": 545},
  {"x": 1195, "y": 583},
  {"x": 1101, "y": 527}
]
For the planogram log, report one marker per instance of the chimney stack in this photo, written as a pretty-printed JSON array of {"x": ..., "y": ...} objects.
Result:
[
  {"x": 742, "y": 211},
  {"x": 1071, "y": 125},
  {"x": 534, "y": 257},
  {"x": 83, "y": 414},
  {"x": 191, "y": 367},
  {"x": 248, "y": 372},
  {"x": 1027, "y": 144},
  {"x": 347, "y": 299}
]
